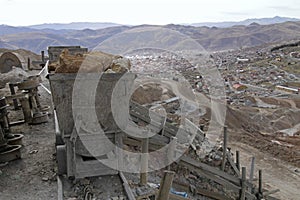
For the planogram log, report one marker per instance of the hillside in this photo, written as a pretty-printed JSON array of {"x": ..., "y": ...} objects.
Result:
[
  {"x": 261, "y": 21},
  {"x": 74, "y": 25},
  {"x": 212, "y": 39}
]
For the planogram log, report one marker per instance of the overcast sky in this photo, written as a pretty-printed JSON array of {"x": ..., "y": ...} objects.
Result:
[{"x": 133, "y": 12}]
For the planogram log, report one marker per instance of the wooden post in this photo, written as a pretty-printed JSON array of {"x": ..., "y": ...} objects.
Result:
[
  {"x": 26, "y": 109},
  {"x": 144, "y": 161},
  {"x": 60, "y": 193},
  {"x": 237, "y": 154},
  {"x": 260, "y": 192},
  {"x": 224, "y": 148},
  {"x": 13, "y": 92},
  {"x": 251, "y": 176},
  {"x": 43, "y": 56},
  {"x": 119, "y": 150},
  {"x": 243, "y": 184},
  {"x": 165, "y": 185},
  {"x": 126, "y": 186},
  {"x": 171, "y": 151},
  {"x": 28, "y": 64}
]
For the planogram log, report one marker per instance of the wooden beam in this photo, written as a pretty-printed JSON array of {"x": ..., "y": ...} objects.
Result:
[
  {"x": 13, "y": 92},
  {"x": 243, "y": 183},
  {"x": 165, "y": 185},
  {"x": 267, "y": 193},
  {"x": 214, "y": 170},
  {"x": 171, "y": 151},
  {"x": 233, "y": 165},
  {"x": 224, "y": 148},
  {"x": 211, "y": 194},
  {"x": 260, "y": 182},
  {"x": 60, "y": 193},
  {"x": 251, "y": 176},
  {"x": 144, "y": 161},
  {"x": 127, "y": 189},
  {"x": 237, "y": 154},
  {"x": 230, "y": 183}
]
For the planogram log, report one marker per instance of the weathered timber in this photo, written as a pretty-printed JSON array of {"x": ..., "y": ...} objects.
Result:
[
  {"x": 126, "y": 186},
  {"x": 233, "y": 165},
  {"x": 216, "y": 175},
  {"x": 212, "y": 194},
  {"x": 243, "y": 184},
  {"x": 224, "y": 149},
  {"x": 144, "y": 161},
  {"x": 237, "y": 154},
  {"x": 251, "y": 176},
  {"x": 60, "y": 193},
  {"x": 165, "y": 185}
]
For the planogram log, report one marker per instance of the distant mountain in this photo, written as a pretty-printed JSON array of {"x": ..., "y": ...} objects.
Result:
[
  {"x": 5, "y": 30},
  {"x": 6, "y": 45},
  {"x": 212, "y": 39},
  {"x": 261, "y": 21},
  {"x": 75, "y": 25}
]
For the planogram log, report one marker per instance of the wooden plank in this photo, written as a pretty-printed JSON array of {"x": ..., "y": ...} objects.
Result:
[
  {"x": 211, "y": 169},
  {"x": 218, "y": 177},
  {"x": 165, "y": 185},
  {"x": 190, "y": 125},
  {"x": 171, "y": 196},
  {"x": 243, "y": 190},
  {"x": 260, "y": 182},
  {"x": 272, "y": 198},
  {"x": 176, "y": 197},
  {"x": 171, "y": 151},
  {"x": 144, "y": 161},
  {"x": 16, "y": 123},
  {"x": 94, "y": 167},
  {"x": 127, "y": 189},
  {"x": 227, "y": 184},
  {"x": 60, "y": 193},
  {"x": 237, "y": 154},
  {"x": 146, "y": 196},
  {"x": 224, "y": 149},
  {"x": 251, "y": 176},
  {"x": 233, "y": 165},
  {"x": 13, "y": 92},
  {"x": 212, "y": 194},
  {"x": 119, "y": 150},
  {"x": 267, "y": 193},
  {"x": 70, "y": 158},
  {"x": 133, "y": 142},
  {"x": 94, "y": 144},
  {"x": 154, "y": 141}
]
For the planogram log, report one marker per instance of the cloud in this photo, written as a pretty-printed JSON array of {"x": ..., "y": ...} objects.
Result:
[
  {"x": 285, "y": 8},
  {"x": 235, "y": 13}
]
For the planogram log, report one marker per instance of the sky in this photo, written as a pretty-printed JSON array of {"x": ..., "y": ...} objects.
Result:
[{"x": 134, "y": 12}]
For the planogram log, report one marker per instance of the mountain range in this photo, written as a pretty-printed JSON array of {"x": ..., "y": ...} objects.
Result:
[
  {"x": 261, "y": 21},
  {"x": 211, "y": 38},
  {"x": 100, "y": 25},
  {"x": 75, "y": 25}
]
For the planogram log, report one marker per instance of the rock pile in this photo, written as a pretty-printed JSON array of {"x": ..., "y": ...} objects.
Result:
[{"x": 90, "y": 63}]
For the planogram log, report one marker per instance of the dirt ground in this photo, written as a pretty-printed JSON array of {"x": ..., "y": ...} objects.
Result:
[
  {"x": 277, "y": 174},
  {"x": 34, "y": 175}
]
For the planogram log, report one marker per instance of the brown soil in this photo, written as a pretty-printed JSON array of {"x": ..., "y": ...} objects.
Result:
[
  {"x": 34, "y": 175},
  {"x": 259, "y": 128}
]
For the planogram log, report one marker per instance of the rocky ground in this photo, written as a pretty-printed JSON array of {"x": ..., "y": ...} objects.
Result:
[
  {"x": 34, "y": 175},
  {"x": 263, "y": 125}
]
